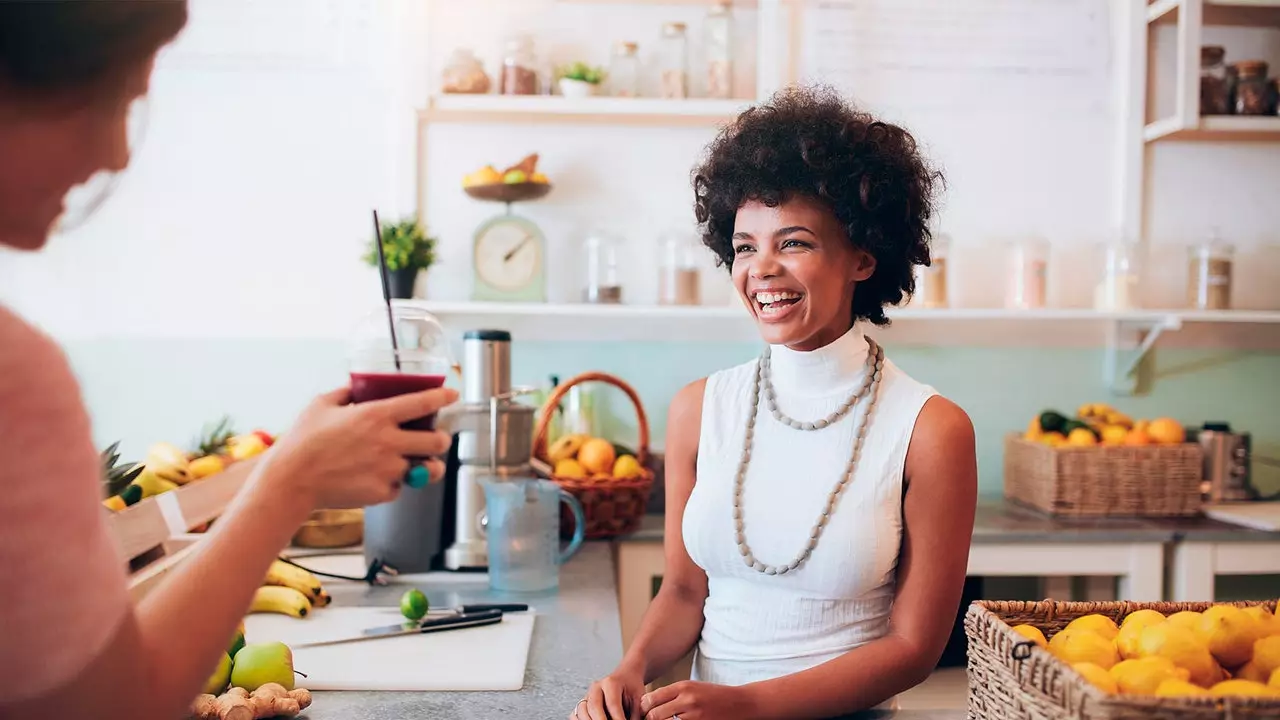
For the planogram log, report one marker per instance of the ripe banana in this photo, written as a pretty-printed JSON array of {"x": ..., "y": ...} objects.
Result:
[
  {"x": 323, "y": 599},
  {"x": 283, "y": 600},
  {"x": 290, "y": 576},
  {"x": 168, "y": 462}
]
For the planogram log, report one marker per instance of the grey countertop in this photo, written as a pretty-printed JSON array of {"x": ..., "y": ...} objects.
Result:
[{"x": 997, "y": 521}]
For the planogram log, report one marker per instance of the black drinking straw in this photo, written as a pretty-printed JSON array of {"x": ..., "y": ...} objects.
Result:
[{"x": 386, "y": 289}]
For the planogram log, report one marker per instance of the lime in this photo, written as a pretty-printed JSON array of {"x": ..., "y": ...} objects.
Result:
[{"x": 413, "y": 604}]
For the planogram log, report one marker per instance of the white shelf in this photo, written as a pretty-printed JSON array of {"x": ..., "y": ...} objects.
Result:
[
  {"x": 1264, "y": 13},
  {"x": 557, "y": 109},
  {"x": 1238, "y": 128}
]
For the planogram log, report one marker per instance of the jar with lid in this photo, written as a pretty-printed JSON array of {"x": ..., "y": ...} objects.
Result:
[
  {"x": 719, "y": 44},
  {"x": 678, "y": 275},
  {"x": 1027, "y": 263},
  {"x": 1209, "y": 275},
  {"x": 1215, "y": 84},
  {"x": 464, "y": 74},
  {"x": 1253, "y": 92},
  {"x": 624, "y": 70},
  {"x": 673, "y": 61},
  {"x": 931, "y": 279},
  {"x": 519, "y": 67},
  {"x": 1117, "y": 287},
  {"x": 603, "y": 285}
]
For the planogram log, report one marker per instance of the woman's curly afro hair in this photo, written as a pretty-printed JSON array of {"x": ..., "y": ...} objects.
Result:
[{"x": 809, "y": 142}]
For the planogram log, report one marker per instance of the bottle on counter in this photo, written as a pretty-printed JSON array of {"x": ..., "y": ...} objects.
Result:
[
  {"x": 673, "y": 62},
  {"x": 624, "y": 70},
  {"x": 719, "y": 50},
  {"x": 1209, "y": 275},
  {"x": 1028, "y": 272}
]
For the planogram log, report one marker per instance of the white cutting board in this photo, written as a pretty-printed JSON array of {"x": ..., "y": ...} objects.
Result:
[
  {"x": 490, "y": 657},
  {"x": 1257, "y": 515}
]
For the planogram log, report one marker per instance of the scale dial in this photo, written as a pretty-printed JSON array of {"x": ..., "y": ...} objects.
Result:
[{"x": 509, "y": 256}]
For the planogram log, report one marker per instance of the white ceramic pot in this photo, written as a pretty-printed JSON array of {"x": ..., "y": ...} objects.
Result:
[{"x": 571, "y": 88}]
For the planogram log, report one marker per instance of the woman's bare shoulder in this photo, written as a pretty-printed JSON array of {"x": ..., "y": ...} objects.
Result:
[
  {"x": 32, "y": 366},
  {"x": 684, "y": 414}
]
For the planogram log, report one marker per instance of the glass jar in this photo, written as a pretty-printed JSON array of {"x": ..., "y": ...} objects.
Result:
[
  {"x": 1028, "y": 268},
  {"x": 624, "y": 71},
  {"x": 1253, "y": 92},
  {"x": 931, "y": 279},
  {"x": 519, "y": 67},
  {"x": 1215, "y": 85},
  {"x": 719, "y": 40},
  {"x": 673, "y": 61},
  {"x": 603, "y": 284},
  {"x": 1209, "y": 275},
  {"x": 1117, "y": 287},
  {"x": 464, "y": 74},
  {"x": 678, "y": 275}
]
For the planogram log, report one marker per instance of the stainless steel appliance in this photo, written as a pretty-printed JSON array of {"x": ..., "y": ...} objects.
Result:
[
  {"x": 486, "y": 375},
  {"x": 1227, "y": 465}
]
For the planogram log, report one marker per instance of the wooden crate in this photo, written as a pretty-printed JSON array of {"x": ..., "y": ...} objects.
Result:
[{"x": 1099, "y": 481}]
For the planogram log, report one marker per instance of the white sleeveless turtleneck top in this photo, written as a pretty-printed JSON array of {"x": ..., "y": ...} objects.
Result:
[{"x": 760, "y": 626}]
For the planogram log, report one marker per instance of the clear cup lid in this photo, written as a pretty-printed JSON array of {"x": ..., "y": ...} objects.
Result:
[{"x": 420, "y": 337}]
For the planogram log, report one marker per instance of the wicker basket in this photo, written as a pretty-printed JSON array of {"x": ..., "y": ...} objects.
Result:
[
  {"x": 613, "y": 506},
  {"x": 1144, "y": 481},
  {"x": 1010, "y": 677}
]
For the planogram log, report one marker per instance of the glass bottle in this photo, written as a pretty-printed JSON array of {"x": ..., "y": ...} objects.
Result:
[
  {"x": 519, "y": 67},
  {"x": 1117, "y": 287},
  {"x": 1028, "y": 266},
  {"x": 673, "y": 61},
  {"x": 1209, "y": 275},
  {"x": 931, "y": 280},
  {"x": 624, "y": 71},
  {"x": 719, "y": 43},
  {"x": 1215, "y": 87},
  {"x": 1253, "y": 92},
  {"x": 603, "y": 285},
  {"x": 678, "y": 276}
]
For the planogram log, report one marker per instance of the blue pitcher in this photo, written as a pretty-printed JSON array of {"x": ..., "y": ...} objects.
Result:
[{"x": 523, "y": 530}]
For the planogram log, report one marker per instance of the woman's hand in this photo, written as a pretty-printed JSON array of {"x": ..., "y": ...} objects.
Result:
[
  {"x": 340, "y": 454},
  {"x": 616, "y": 697},
  {"x": 691, "y": 700}
]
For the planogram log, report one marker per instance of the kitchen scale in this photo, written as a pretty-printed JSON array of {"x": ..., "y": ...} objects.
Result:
[{"x": 509, "y": 251}]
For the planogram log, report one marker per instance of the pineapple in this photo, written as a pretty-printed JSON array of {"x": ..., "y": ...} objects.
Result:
[
  {"x": 116, "y": 476},
  {"x": 213, "y": 440}
]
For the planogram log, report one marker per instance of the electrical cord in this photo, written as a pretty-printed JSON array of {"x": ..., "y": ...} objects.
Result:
[{"x": 374, "y": 576}]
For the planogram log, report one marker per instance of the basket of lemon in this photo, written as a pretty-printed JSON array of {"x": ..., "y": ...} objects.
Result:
[
  {"x": 1103, "y": 463},
  {"x": 613, "y": 486},
  {"x": 1123, "y": 660}
]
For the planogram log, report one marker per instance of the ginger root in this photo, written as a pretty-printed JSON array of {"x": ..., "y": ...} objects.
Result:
[{"x": 269, "y": 701}]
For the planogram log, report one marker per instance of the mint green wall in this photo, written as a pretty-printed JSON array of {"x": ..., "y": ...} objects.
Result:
[{"x": 146, "y": 390}]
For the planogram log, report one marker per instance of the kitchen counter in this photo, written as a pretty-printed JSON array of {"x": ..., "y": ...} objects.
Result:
[{"x": 576, "y": 639}]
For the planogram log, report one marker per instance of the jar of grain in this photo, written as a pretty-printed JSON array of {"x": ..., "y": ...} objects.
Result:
[
  {"x": 519, "y": 67},
  {"x": 1117, "y": 287},
  {"x": 673, "y": 61},
  {"x": 678, "y": 275},
  {"x": 719, "y": 50},
  {"x": 603, "y": 283},
  {"x": 624, "y": 70},
  {"x": 931, "y": 279},
  {"x": 1209, "y": 275},
  {"x": 1253, "y": 92},
  {"x": 1027, "y": 262},
  {"x": 1215, "y": 86}
]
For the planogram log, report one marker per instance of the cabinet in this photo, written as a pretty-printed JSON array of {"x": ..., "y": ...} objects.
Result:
[{"x": 640, "y": 565}]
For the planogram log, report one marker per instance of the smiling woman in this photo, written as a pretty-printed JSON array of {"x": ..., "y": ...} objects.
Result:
[{"x": 816, "y": 552}]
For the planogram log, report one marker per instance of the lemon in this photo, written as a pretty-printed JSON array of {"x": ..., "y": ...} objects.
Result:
[
  {"x": 1084, "y": 646},
  {"x": 1166, "y": 431},
  {"x": 1246, "y": 688},
  {"x": 1180, "y": 688},
  {"x": 1131, "y": 629},
  {"x": 1230, "y": 633},
  {"x": 1032, "y": 633},
  {"x": 1268, "y": 624},
  {"x": 1097, "y": 677},
  {"x": 1275, "y": 679},
  {"x": 1143, "y": 675},
  {"x": 1082, "y": 437},
  {"x": 1034, "y": 431},
  {"x": 1114, "y": 434},
  {"x": 1053, "y": 439},
  {"x": 570, "y": 468},
  {"x": 413, "y": 604},
  {"x": 627, "y": 466},
  {"x": 1266, "y": 653},
  {"x": 1181, "y": 646},
  {"x": 217, "y": 682},
  {"x": 1188, "y": 619},
  {"x": 1251, "y": 671},
  {"x": 1100, "y": 624}
]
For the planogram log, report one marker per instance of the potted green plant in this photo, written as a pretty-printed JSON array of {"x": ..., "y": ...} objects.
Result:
[
  {"x": 579, "y": 80},
  {"x": 408, "y": 250}
]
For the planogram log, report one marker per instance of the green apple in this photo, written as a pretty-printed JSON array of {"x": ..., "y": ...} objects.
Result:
[
  {"x": 260, "y": 663},
  {"x": 218, "y": 681},
  {"x": 515, "y": 177}
]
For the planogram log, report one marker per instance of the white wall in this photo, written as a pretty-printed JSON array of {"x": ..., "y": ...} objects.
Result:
[{"x": 276, "y": 126}]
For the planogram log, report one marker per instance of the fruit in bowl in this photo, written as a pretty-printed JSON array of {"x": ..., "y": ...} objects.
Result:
[{"x": 581, "y": 456}]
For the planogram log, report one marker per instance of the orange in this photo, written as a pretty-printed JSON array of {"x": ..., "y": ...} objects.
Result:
[
  {"x": 1166, "y": 431},
  {"x": 1137, "y": 436},
  {"x": 596, "y": 456}
]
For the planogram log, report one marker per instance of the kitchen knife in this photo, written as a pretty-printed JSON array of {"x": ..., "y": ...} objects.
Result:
[
  {"x": 438, "y": 624},
  {"x": 481, "y": 607}
]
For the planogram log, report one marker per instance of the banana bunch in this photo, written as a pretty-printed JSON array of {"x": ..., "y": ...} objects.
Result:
[
  {"x": 289, "y": 590},
  {"x": 168, "y": 462}
]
